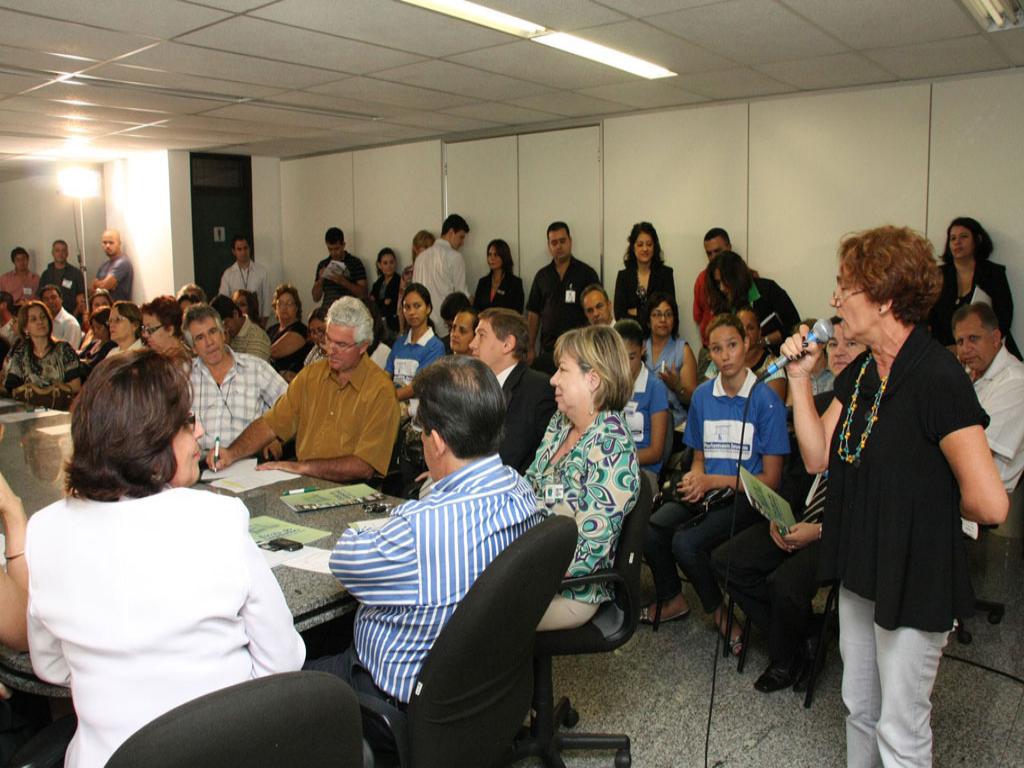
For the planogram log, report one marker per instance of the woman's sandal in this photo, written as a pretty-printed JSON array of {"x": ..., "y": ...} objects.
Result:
[{"x": 647, "y": 617}]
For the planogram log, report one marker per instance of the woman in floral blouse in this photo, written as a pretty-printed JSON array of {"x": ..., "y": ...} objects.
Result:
[
  {"x": 586, "y": 464},
  {"x": 40, "y": 362}
]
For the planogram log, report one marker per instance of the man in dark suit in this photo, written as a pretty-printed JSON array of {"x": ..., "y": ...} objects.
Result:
[{"x": 501, "y": 342}]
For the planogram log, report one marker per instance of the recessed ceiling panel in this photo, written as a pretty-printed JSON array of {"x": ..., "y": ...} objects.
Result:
[
  {"x": 731, "y": 84},
  {"x": 181, "y": 82},
  {"x": 645, "y": 95},
  {"x": 563, "y": 16},
  {"x": 948, "y": 57},
  {"x": 454, "y": 78},
  {"x": 297, "y": 46},
  {"x": 164, "y": 19},
  {"x": 34, "y": 32},
  {"x": 570, "y": 104},
  {"x": 274, "y": 117},
  {"x": 508, "y": 114},
  {"x": 398, "y": 94},
  {"x": 837, "y": 71},
  {"x": 749, "y": 31}
]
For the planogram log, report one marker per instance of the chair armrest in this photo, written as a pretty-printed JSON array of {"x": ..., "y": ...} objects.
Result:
[
  {"x": 597, "y": 577},
  {"x": 393, "y": 719}
]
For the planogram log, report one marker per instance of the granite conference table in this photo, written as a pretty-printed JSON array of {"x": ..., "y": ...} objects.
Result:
[{"x": 32, "y": 454}]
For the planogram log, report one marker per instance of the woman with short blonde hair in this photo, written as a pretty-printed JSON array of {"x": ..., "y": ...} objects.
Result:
[{"x": 586, "y": 464}]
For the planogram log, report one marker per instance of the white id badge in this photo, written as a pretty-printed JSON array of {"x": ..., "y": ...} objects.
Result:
[
  {"x": 66, "y": 283},
  {"x": 570, "y": 296},
  {"x": 634, "y": 420},
  {"x": 553, "y": 493},
  {"x": 26, "y": 291}
]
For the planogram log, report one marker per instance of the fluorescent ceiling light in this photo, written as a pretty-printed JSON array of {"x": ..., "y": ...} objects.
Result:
[
  {"x": 79, "y": 182},
  {"x": 478, "y": 14},
  {"x": 512, "y": 25},
  {"x": 603, "y": 55},
  {"x": 996, "y": 15}
]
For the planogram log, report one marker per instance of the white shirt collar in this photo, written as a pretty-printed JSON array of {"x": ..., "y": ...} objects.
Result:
[
  {"x": 423, "y": 339},
  {"x": 640, "y": 384},
  {"x": 999, "y": 362},
  {"x": 748, "y": 384},
  {"x": 503, "y": 376}
]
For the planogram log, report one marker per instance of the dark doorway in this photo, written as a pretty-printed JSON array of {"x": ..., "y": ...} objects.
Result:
[{"x": 221, "y": 208}]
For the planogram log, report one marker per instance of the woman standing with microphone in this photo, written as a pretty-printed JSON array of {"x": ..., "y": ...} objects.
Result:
[{"x": 904, "y": 445}]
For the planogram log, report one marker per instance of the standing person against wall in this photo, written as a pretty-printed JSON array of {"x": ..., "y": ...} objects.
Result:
[
  {"x": 500, "y": 287},
  {"x": 245, "y": 274},
  {"x": 21, "y": 282},
  {"x": 340, "y": 273},
  {"x": 441, "y": 269},
  {"x": 115, "y": 274},
  {"x": 645, "y": 273}
]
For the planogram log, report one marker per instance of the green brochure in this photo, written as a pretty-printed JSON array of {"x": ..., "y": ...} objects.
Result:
[
  {"x": 264, "y": 528},
  {"x": 768, "y": 502},
  {"x": 325, "y": 498}
]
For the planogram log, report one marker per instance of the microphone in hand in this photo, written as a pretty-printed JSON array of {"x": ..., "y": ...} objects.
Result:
[{"x": 819, "y": 334}]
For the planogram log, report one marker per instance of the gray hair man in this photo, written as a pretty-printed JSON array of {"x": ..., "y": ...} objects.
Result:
[{"x": 341, "y": 411}]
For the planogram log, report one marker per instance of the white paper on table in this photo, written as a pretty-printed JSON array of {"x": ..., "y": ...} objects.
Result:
[
  {"x": 311, "y": 559},
  {"x": 7, "y": 401},
  {"x": 16, "y": 416},
  {"x": 280, "y": 557},
  {"x": 60, "y": 429},
  {"x": 244, "y": 476}
]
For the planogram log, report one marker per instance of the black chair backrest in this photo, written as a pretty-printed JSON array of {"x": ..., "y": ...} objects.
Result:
[
  {"x": 629, "y": 555},
  {"x": 296, "y": 718},
  {"x": 476, "y": 684}
]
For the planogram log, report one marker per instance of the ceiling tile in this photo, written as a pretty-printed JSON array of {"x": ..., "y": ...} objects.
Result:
[
  {"x": 503, "y": 113},
  {"x": 397, "y": 25},
  {"x": 272, "y": 116},
  {"x": 731, "y": 84},
  {"x": 405, "y": 96},
  {"x": 749, "y": 31},
  {"x": 203, "y": 62},
  {"x": 658, "y": 46},
  {"x": 180, "y": 82},
  {"x": 57, "y": 109},
  {"x": 641, "y": 8},
  {"x": 532, "y": 61},
  {"x": 1011, "y": 43},
  {"x": 41, "y": 61},
  {"x": 323, "y": 101},
  {"x": 455, "y": 78},
  {"x": 13, "y": 84},
  {"x": 571, "y": 104},
  {"x": 297, "y": 46},
  {"x": 62, "y": 126},
  {"x": 645, "y": 95},
  {"x": 563, "y": 16},
  {"x": 947, "y": 57},
  {"x": 885, "y": 23},
  {"x": 164, "y": 19},
  {"x": 119, "y": 97},
  {"x": 207, "y": 138},
  {"x": 26, "y": 31},
  {"x": 23, "y": 145},
  {"x": 440, "y": 122},
  {"x": 837, "y": 71},
  {"x": 235, "y": 6},
  {"x": 298, "y": 147},
  {"x": 226, "y": 125}
]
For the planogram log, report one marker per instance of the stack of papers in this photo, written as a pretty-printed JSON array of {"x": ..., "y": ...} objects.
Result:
[
  {"x": 264, "y": 528},
  {"x": 326, "y": 498},
  {"x": 306, "y": 559},
  {"x": 244, "y": 476}
]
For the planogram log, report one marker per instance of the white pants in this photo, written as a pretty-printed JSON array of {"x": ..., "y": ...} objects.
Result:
[
  {"x": 888, "y": 677},
  {"x": 564, "y": 613}
]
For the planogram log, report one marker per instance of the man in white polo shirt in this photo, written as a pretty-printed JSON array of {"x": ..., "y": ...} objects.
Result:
[
  {"x": 999, "y": 383},
  {"x": 65, "y": 327}
]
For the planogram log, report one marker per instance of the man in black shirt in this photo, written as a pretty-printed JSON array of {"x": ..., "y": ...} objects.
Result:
[
  {"x": 68, "y": 279},
  {"x": 340, "y": 274},
  {"x": 554, "y": 306}
]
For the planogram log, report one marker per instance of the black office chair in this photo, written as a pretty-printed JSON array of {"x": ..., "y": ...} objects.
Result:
[
  {"x": 47, "y": 748},
  {"x": 613, "y": 625},
  {"x": 279, "y": 721},
  {"x": 474, "y": 689}
]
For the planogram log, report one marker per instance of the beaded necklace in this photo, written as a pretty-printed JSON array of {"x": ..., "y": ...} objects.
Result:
[{"x": 844, "y": 435}]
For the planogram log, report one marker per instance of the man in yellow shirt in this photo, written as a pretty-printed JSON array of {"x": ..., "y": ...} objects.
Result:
[{"x": 342, "y": 410}]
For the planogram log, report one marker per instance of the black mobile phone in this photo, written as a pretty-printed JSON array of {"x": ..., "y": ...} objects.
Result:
[{"x": 286, "y": 544}]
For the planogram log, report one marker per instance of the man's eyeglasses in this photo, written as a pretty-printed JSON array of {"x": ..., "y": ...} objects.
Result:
[{"x": 341, "y": 346}]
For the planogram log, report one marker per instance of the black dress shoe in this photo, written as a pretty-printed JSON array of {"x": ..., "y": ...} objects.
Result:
[{"x": 777, "y": 677}]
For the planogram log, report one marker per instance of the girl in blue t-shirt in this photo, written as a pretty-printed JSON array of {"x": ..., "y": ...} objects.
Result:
[
  {"x": 713, "y": 429},
  {"x": 419, "y": 347}
]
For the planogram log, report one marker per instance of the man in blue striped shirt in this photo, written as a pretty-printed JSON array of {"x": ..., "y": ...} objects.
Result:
[{"x": 411, "y": 573}]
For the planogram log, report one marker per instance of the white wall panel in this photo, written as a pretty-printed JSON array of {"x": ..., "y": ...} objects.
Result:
[
  {"x": 316, "y": 193},
  {"x": 822, "y": 166},
  {"x": 685, "y": 171},
  {"x": 482, "y": 186},
  {"x": 559, "y": 180},
  {"x": 397, "y": 193},
  {"x": 977, "y": 167}
]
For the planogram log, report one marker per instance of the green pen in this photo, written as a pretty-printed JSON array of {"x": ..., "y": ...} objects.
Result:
[{"x": 297, "y": 491}]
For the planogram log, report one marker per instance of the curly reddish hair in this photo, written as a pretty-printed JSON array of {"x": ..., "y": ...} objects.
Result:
[
  {"x": 167, "y": 311},
  {"x": 893, "y": 264}
]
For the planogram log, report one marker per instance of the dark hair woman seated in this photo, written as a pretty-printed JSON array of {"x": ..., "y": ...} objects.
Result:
[{"x": 146, "y": 594}]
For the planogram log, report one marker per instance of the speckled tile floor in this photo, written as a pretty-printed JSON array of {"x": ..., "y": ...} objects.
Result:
[{"x": 657, "y": 687}]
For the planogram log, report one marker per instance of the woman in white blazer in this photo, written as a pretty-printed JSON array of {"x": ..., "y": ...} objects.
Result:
[{"x": 145, "y": 594}]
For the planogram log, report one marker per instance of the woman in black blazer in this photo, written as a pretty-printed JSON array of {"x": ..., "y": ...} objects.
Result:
[
  {"x": 966, "y": 270},
  {"x": 500, "y": 288},
  {"x": 645, "y": 273}
]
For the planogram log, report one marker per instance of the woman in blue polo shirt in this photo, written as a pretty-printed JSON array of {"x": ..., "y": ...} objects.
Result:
[
  {"x": 713, "y": 429},
  {"x": 647, "y": 412},
  {"x": 417, "y": 348}
]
